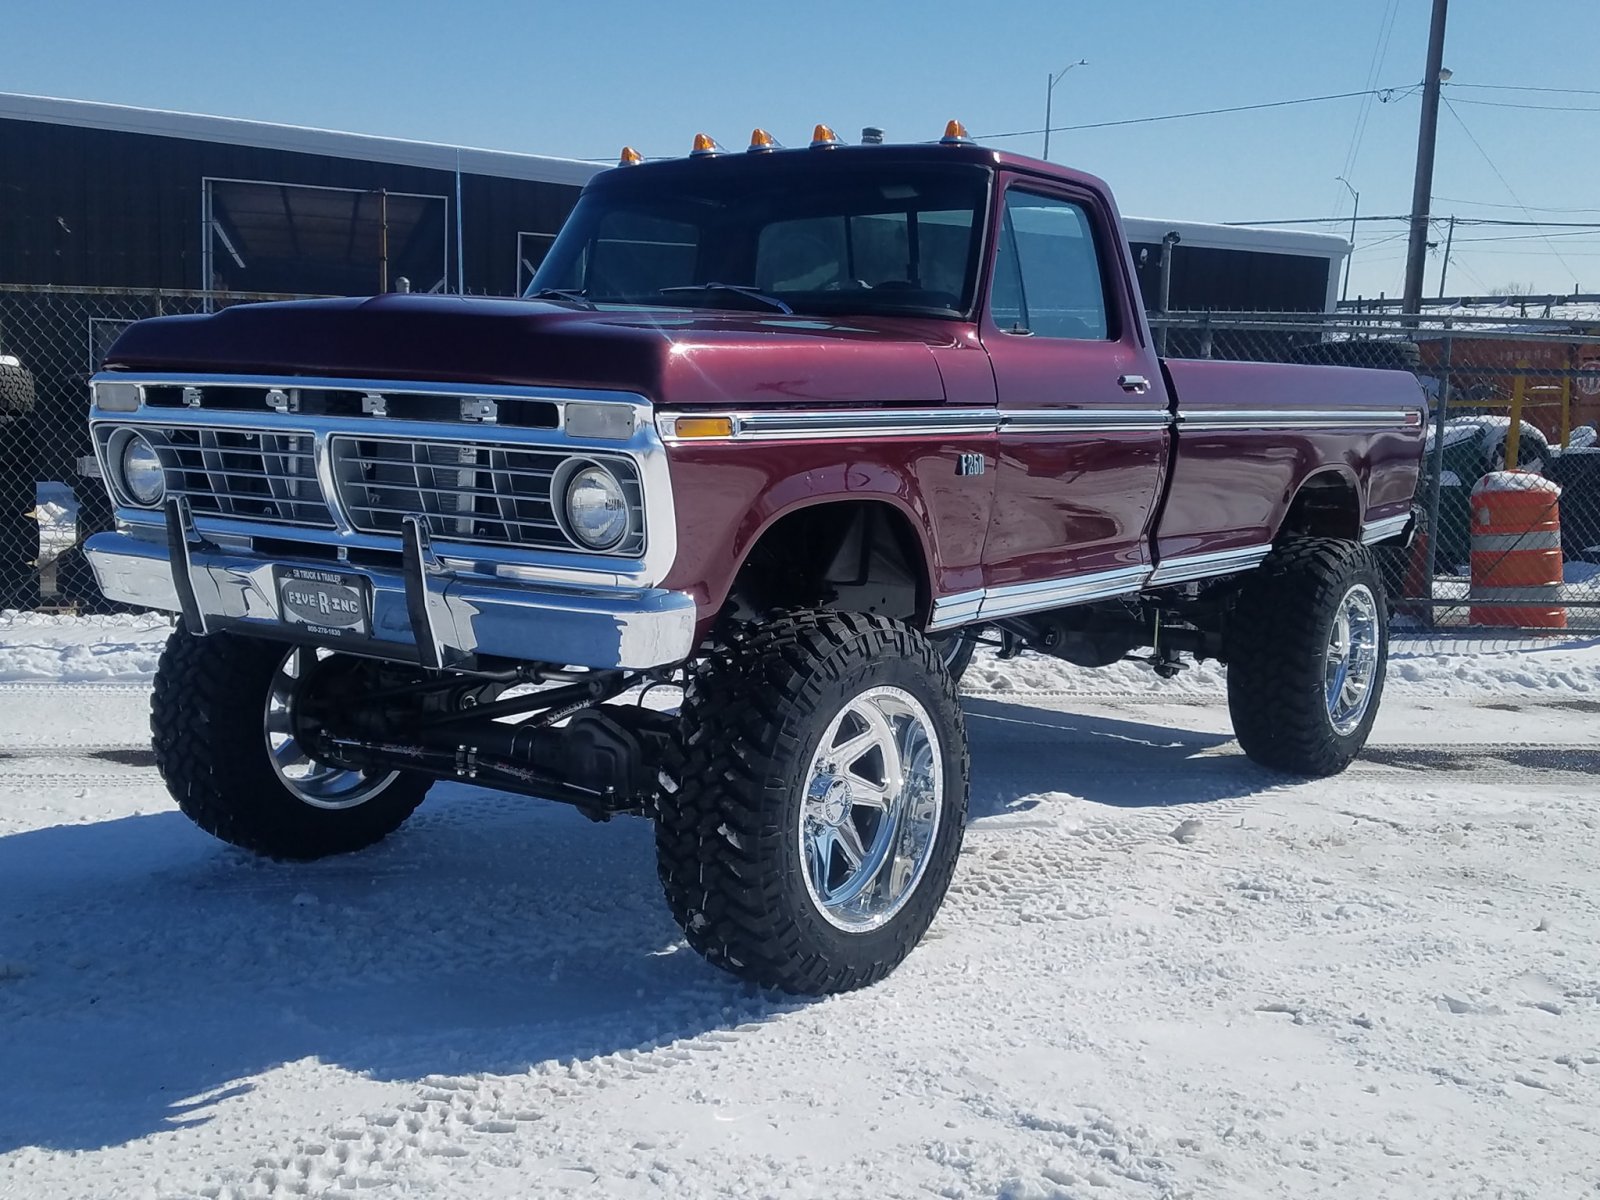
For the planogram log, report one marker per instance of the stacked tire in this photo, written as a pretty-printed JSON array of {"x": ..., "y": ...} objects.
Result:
[{"x": 19, "y": 536}]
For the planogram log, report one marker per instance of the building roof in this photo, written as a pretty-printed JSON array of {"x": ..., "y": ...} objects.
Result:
[
  {"x": 297, "y": 139},
  {"x": 1237, "y": 237}
]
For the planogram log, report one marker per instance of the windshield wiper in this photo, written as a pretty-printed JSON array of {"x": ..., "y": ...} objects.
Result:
[
  {"x": 737, "y": 289},
  {"x": 571, "y": 297}
]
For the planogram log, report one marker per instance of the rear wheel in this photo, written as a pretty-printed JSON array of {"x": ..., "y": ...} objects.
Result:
[
  {"x": 233, "y": 745},
  {"x": 1307, "y": 650},
  {"x": 955, "y": 650},
  {"x": 820, "y": 802}
]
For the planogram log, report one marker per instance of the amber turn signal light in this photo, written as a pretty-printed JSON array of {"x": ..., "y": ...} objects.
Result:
[
  {"x": 955, "y": 134},
  {"x": 703, "y": 427}
]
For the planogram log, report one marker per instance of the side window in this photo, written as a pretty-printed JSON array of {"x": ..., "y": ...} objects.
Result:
[{"x": 1047, "y": 278}]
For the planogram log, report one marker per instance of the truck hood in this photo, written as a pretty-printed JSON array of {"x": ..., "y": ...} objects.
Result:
[{"x": 673, "y": 356}]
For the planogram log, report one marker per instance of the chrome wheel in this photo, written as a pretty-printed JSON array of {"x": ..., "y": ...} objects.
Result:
[
  {"x": 1351, "y": 664},
  {"x": 949, "y": 647},
  {"x": 871, "y": 809},
  {"x": 319, "y": 784}
]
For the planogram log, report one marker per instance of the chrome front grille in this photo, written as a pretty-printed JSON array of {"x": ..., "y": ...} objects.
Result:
[
  {"x": 246, "y": 474},
  {"x": 467, "y": 491}
]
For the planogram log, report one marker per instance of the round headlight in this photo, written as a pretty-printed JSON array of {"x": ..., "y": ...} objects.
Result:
[
  {"x": 596, "y": 508},
  {"x": 142, "y": 476}
]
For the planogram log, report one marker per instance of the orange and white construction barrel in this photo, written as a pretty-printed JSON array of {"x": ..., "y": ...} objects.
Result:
[{"x": 1516, "y": 551}]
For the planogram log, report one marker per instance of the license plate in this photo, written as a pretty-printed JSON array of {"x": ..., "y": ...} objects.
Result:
[{"x": 329, "y": 603}]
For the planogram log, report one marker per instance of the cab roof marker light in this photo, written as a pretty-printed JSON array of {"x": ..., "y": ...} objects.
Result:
[
  {"x": 762, "y": 142},
  {"x": 629, "y": 157},
  {"x": 704, "y": 146},
  {"x": 822, "y": 138},
  {"x": 955, "y": 134}
]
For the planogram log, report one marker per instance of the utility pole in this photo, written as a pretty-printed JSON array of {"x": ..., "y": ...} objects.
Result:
[
  {"x": 1049, "y": 91},
  {"x": 1444, "y": 269},
  {"x": 1427, "y": 138},
  {"x": 1344, "y": 292}
]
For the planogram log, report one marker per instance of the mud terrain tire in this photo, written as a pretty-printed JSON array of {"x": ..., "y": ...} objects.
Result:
[
  {"x": 1282, "y": 644},
  {"x": 17, "y": 393},
  {"x": 758, "y": 793},
  {"x": 207, "y": 721}
]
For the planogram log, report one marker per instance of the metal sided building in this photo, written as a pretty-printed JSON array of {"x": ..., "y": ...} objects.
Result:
[
  {"x": 109, "y": 214},
  {"x": 103, "y": 195}
]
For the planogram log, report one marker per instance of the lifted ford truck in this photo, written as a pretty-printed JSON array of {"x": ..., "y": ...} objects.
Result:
[{"x": 789, "y": 430}]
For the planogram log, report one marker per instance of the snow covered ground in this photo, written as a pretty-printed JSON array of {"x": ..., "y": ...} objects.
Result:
[{"x": 1161, "y": 971}]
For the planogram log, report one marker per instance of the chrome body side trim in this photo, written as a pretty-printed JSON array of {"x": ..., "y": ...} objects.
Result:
[
  {"x": 1187, "y": 567},
  {"x": 1017, "y": 598},
  {"x": 759, "y": 426},
  {"x": 1333, "y": 418},
  {"x": 1084, "y": 420},
  {"x": 755, "y": 426},
  {"x": 958, "y": 608},
  {"x": 634, "y": 629},
  {"x": 797, "y": 424},
  {"x": 1383, "y": 530}
]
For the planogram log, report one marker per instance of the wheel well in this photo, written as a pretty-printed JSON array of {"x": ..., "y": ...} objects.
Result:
[
  {"x": 848, "y": 556},
  {"x": 1327, "y": 505}
]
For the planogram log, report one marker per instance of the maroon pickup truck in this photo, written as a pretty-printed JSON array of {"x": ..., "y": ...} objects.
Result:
[{"x": 788, "y": 430}]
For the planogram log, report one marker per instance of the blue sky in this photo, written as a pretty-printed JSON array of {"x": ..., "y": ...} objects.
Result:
[{"x": 580, "y": 80}]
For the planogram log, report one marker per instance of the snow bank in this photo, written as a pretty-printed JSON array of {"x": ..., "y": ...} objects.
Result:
[
  {"x": 124, "y": 649},
  {"x": 1425, "y": 665},
  {"x": 116, "y": 648}
]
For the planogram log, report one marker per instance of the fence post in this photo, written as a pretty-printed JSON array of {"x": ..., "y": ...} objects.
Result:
[
  {"x": 1164, "y": 295},
  {"x": 1519, "y": 393},
  {"x": 1205, "y": 335},
  {"x": 1566, "y": 402},
  {"x": 1436, "y": 473}
]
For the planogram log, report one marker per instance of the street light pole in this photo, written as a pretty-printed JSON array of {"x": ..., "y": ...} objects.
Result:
[
  {"x": 1049, "y": 91},
  {"x": 1427, "y": 138},
  {"x": 1344, "y": 292}
]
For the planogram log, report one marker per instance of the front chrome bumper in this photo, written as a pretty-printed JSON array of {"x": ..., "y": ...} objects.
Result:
[{"x": 421, "y": 613}]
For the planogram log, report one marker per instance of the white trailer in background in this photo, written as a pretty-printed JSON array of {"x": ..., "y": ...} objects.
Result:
[{"x": 1237, "y": 268}]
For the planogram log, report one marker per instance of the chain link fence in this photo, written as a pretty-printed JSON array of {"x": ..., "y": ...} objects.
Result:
[
  {"x": 1504, "y": 392},
  {"x": 51, "y": 341}
]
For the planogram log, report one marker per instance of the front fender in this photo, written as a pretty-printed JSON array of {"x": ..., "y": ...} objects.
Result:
[{"x": 727, "y": 495}]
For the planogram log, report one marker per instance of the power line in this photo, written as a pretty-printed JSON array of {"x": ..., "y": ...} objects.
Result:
[
  {"x": 1534, "y": 207},
  {"x": 1497, "y": 221},
  {"x": 1380, "y": 52},
  {"x": 1570, "y": 108},
  {"x": 1383, "y": 93},
  {"x": 1532, "y": 237},
  {"x": 1519, "y": 87},
  {"x": 1506, "y": 183}
]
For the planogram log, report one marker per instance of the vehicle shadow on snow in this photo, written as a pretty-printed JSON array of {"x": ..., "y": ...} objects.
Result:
[
  {"x": 1020, "y": 753},
  {"x": 146, "y": 971}
]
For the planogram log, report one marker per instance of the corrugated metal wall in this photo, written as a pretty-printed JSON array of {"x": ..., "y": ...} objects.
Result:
[{"x": 97, "y": 208}]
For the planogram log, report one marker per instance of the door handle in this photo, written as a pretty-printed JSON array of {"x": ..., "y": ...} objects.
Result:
[{"x": 1137, "y": 384}]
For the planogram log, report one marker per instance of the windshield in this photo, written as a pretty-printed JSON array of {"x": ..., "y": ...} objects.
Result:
[{"x": 886, "y": 237}]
